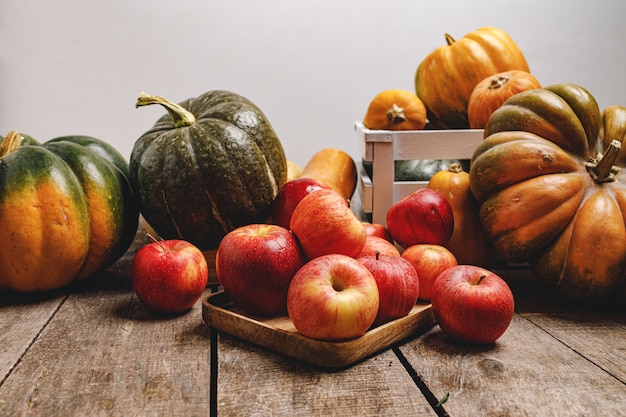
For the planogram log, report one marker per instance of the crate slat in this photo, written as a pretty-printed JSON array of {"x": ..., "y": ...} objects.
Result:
[{"x": 383, "y": 147}]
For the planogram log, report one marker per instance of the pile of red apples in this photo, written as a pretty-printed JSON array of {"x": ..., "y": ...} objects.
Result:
[{"x": 337, "y": 276}]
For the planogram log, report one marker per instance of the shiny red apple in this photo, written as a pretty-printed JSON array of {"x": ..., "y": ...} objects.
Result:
[
  {"x": 377, "y": 229},
  {"x": 424, "y": 216},
  {"x": 169, "y": 275},
  {"x": 255, "y": 264},
  {"x": 333, "y": 297},
  {"x": 288, "y": 197},
  {"x": 472, "y": 304},
  {"x": 429, "y": 261},
  {"x": 376, "y": 244},
  {"x": 398, "y": 285},
  {"x": 325, "y": 224}
]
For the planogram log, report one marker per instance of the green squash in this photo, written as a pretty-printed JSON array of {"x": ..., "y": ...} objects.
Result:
[
  {"x": 211, "y": 164},
  {"x": 65, "y": 213},
  {"x": 418, "y": 169},
  {"x": 113, "y": 211},
  {"x": 99, "y": 147},
  {"x": 26, "y": 139}
]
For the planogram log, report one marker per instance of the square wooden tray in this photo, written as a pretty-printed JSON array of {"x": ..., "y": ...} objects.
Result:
[{"x": 279, "y": 334}]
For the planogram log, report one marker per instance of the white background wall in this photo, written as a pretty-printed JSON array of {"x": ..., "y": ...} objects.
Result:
[{"x": 312, "y": 66}]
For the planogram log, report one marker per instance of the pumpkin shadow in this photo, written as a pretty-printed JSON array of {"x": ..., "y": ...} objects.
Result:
[{"x": 12, "y": 298}]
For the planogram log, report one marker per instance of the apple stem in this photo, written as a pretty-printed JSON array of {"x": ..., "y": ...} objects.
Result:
[
  {"x": 377, "y": 255},
  {"x": 155, "y": 240},
  {"x": 480, "y": 279}
]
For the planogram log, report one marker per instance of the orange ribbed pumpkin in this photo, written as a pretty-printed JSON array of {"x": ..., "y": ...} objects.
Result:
[
  {"x": 493, "y": 91},
  {"x": 446, "y": 77},
  {"x": 552, "y": 186},
  {"x": 395, "y": 110}
]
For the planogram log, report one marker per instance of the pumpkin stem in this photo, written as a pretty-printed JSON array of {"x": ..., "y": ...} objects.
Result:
[
  {"x": 11, "y": 142},
  {"x": 182, "y": 117},
  {"x": 449, "y": 39},
  {"x": 498, "y": 82},
  {"x": 601, "y": 168},
  {"x": 455, "y": 168},
  {"x": 395, "y": 115}
]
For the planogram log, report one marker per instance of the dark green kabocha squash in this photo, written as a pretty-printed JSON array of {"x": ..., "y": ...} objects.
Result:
[{"x": 211, "y": 164}]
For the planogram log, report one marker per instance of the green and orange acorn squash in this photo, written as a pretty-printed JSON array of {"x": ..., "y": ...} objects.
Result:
[
  {"x": 549, "y": 176},
  {"x": 66, "y": 210},
  {"x": 209, "y": 165}
]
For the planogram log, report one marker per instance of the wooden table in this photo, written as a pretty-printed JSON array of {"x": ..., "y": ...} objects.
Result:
[{"x": 95, "y": 350}]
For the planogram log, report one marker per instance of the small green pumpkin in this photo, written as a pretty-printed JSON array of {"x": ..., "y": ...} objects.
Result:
[
  {"x": 423, "y": 170},
  {"x": 417, "y": 169},
  {"x": 65, "y": 212},
  {"x": 211, "y": 164}
]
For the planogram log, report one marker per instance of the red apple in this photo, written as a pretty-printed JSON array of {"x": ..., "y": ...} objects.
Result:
[
  {"x": 255, "y": 264},
  {"x": 324, "y": 223},
  {"x": 398, "y": 285},
  {"x": 288, "y": 197},
  {"x": 377, "y": 229},
  {"x": 333, "y": 297},
  {"x": 472, "y": 304},
  {"x": 376, "y": 244},
  {"x": 429, "y": 261},
  {"x": 424, "y": 216},
  {"x": 169, "y": 275}
]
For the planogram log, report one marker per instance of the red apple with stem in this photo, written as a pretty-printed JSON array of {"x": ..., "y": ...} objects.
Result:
[
  {"x": 288, "y": 197},
  {"x": 169, "y": 275},
  {"x": 398, "y": 285},
  {"x": 424, "y": 216},
  {"x": 325, "y": 224},
  {"x": 429, "y": 261},
  {"x": 333, "y": 297},
  {"x": 255, "y": 264},
  {"x": 376, "y": 244},
  {"x": 472, "y": 304}
]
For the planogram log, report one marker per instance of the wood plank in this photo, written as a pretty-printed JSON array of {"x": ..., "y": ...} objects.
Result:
[
  {"x": 547, "y": 363},
  {"x": 596, "y": 332},
  {"x": 105, "y": 353},
  {"x": 255, "y": 381},
  {"x": 22, "y": 318},
  {"x": 599, "y": 338},
  {"x": 526, "y": 373}
]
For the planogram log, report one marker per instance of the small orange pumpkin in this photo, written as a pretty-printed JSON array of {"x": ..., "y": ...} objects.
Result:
[
  {"x": 493, "y": 91},
  {"x": 395, "y": 110},
  {"x": 469, "y": 242}
]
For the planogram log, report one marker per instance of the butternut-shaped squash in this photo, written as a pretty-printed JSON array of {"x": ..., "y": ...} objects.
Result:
[{"x": 335, "y": 168}]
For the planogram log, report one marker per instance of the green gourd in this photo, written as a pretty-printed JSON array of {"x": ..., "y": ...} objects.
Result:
[{"x": 211, "y": 164}]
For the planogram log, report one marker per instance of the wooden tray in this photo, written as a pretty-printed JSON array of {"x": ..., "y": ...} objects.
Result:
[{"x": 279, "y": 334}]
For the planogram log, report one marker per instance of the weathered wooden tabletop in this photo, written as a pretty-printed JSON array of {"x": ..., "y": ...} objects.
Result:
[{"x": 95, "y": 350}]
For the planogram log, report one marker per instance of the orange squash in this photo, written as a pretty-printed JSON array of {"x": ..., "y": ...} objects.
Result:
[
  {"x": 493, "y": 91},
  {"x": 395, "y": 110},
  {"x": 468, "y": 243},
  {"x": 335, "y": 168},
  {"x": 446, "y": 77},
  {"x": 551, "y": 181}
]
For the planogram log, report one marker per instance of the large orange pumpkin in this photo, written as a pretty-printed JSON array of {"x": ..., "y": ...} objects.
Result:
[
  {"x": 550, "y": 180},
  {"x": 447, "y": 76}
]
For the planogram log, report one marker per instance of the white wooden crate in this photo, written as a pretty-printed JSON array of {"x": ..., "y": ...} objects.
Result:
[{"x": 383, "y": 147}]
